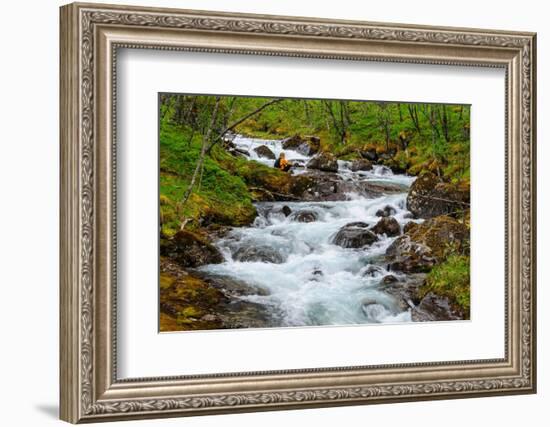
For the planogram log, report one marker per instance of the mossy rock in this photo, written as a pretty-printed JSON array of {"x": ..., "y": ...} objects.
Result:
[
  {"x": 361, "y": 165},
  {"x": 300, "y": 184},
  {"x": 418, "y": 168},
  {"x": 258, "y": 175},
  {"x": 429, "y": 197},
  {"x": 326, "y": 162},
  {"x": 190, "y": 249},
  {"x": 187, "y": 302},
  {"x": 436, "y": 167},
  {"x": 264, "y": 151},
  {"x": 409, "y": 256},
  {"x": 425, "y": 245},
  {"x": 396, "y": 166},
  {"x": 451, "y": 280},
  {"x": 443, "y": 235}
]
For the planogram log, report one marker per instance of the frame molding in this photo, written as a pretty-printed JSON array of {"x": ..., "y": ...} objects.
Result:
[{"x": 90, "y": 37}]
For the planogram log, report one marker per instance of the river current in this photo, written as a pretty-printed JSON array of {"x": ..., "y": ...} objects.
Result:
[{"x": 313, "y": 281}]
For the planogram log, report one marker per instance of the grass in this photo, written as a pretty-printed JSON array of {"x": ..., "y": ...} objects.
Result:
[
  {"x": 219, "y": 197},
  {"x": 451, "y": 279}
]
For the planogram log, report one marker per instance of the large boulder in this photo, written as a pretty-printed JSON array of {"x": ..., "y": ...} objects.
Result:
[
  {"x": 435, "y": 308},
  {"x": 265, "y": 151},
  {"x": 189, "y": 249},
  {"x": 267, "y": 184},
  {"x": 354, "y": 235},
  {"x": 408, "y": 256},
  {"x": 388, "y": 226},
  {"x": 409, "y": 226},
  {"x": 230, "y": 286},
  {"x": 198, "y": 300},
  {"x": 428, "y": 197},
  {"x": 442, "y": 234},
  {"x": 326, "y": 162},
  {"x": 361, "y": 165},
  {"x": 310, "y": 146},
  {"x": 305, "y": 216},
  {"x": 187, "y": 302},
  {"x": 307, "y": 145},
  {"x": 258, "y": 254},
  {"x": 292, "y": 142},
  {"x": 300, "y": 185},
  {"x": 325, "y": 186},
  {"x": 428, "y": 243}
]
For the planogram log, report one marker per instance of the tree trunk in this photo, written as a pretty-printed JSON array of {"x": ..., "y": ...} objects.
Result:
[
  {"x": 413, "y": 113},
  {"x": 200, "y": 161}
]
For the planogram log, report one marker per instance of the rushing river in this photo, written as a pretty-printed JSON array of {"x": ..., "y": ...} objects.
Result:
[{"x": 313, "y": 281}]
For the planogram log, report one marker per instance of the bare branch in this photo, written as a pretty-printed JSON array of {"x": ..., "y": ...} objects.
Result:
[
  {"x": 200, "y": 161},
  {"x": 441, "y": 199},
  {"x": 238, "y": 122}
]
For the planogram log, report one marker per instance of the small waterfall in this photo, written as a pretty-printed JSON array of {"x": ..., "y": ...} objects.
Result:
[{"x": 275, "y": 145}]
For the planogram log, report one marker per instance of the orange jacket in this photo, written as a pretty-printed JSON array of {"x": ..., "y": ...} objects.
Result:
[{"x": 283, "y": 163}]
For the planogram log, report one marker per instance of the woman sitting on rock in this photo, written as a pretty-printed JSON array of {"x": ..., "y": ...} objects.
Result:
[{"x": 282, "y": 163}]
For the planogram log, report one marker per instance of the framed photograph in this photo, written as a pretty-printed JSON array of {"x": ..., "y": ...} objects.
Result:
[{"x": 267, "y": 212}]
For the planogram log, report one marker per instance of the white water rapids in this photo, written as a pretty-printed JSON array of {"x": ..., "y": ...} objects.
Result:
[{"x": 317, "y": 282}]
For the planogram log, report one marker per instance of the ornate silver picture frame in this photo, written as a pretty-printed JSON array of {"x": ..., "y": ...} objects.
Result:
[{"x": 91, "y": 391}]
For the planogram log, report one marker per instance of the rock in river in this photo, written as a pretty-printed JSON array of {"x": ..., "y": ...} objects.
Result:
[
  {"x": 441, "y": 234},
  {"x": 435, "y": 308},
  {"x": 354, "y": 235},
  {"x": 388, "y": 226},
  {"x": 305, "y": 216},
  {"x": 190, "y": 250},
  {"x": 325, "y": 161},
  {"x": 387, "y": 211},
  {"x": 373, "y": 271},
  {"x": 264, "y": 151},
  {"x": 406, "y": 255},
  {"x": 425, "y": 244},
  {"x": 428, "y": 197},
  {"x": 361, "y": 165},
  {"x": 307, "y": 145},
  {"x": 258, "y": 254}
]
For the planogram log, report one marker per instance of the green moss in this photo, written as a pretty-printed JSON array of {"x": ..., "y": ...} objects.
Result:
[
  {"x": 219, "y": 197},
  {"x": 185, "y": 299},
  {"x": 354, "y": 155},
  {"x": 452, "y": 280},
  {"x": 190, "y": 311},
  {"x": 166, "y": 281},
  {"x": 444, "y": 235},
  {"x": 402, "y": 159}
]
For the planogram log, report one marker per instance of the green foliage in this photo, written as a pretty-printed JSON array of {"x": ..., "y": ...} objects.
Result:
[
  {"x": 426, "y": 132},
  {"x": 219, "y": 197},
  {"x": 412, "y": 137},
  {"x": 451, "y": 278}
]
